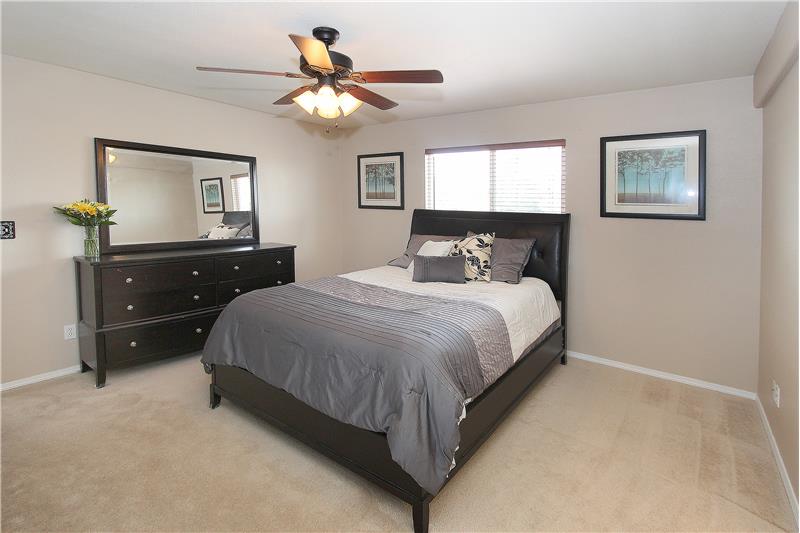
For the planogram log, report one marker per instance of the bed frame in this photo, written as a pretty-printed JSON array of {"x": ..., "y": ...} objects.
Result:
[{"x": 367, "y": 453}]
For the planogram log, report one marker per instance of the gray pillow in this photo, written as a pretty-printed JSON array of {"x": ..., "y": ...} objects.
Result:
[
  {"x": 413, "y": 246},
  {"x": 509, "y": 258},
  {"x": 240, "y": 225},
  {"x": 448, "y": 269},
  {"x": 247, "y": 231}
]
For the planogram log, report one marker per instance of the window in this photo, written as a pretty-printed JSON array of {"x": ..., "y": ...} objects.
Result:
[
  {"x": 527, "y": 177},
  {"x": 240, "y": 190}
]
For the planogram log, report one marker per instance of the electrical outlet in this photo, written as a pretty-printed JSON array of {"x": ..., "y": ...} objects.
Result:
[
  {"x": 69, "y": 332},
  {"x": 776, "y": 394}
]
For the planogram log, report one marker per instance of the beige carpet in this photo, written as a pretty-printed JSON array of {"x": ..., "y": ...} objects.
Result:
[{"x": 592, "y": 448}]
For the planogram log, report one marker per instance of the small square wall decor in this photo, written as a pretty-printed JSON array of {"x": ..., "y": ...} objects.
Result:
[
  {"x": 7, "y": 230},
  {"x": 656, "y": 175},
  {"x": 380, "y": 181}
]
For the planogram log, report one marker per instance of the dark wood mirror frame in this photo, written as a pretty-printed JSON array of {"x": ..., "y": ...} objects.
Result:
[{"x": 106, "y": 247}]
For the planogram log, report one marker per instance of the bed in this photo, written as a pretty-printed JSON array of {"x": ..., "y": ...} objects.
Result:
[{"x": 402, "y": 393}]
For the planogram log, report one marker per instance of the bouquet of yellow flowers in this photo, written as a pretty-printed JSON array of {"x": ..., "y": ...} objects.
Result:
[
  {"x": 90, "y": 215},
  {"x": 86, "y": 213}
]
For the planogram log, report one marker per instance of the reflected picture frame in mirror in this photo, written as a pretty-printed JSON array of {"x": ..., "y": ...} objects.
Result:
[
  {"x": 213, "y": 195},
  {"x": 210, "y": 203}
]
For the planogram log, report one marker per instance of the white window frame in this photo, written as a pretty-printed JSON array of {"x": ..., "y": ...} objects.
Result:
[
  {"x": 430, "y": 185},
  {"x": 234, "y": 190}
]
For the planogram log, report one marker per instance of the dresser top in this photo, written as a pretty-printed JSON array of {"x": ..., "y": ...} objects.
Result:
[{"x": 197, "y": 253}]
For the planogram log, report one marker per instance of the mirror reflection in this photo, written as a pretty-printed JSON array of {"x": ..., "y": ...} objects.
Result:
[{"x": 166, "y": 197}]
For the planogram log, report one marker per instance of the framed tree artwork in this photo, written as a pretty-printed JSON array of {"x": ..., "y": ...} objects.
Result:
[
  {"x": 655, "y": 175},
  {"x": 213, "y": 196},
  {"x": 380, "y": 181}
]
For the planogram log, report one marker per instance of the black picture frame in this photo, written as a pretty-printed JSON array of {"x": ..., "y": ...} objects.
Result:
[
  {"x": 221, "y": 195},
  {"x": 101, "y": 145},
  {"x": 701, "y": 175},
  {"x": 361, "y": 204}
]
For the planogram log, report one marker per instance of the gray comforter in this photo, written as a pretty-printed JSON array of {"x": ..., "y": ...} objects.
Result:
[{"x": 380, "y": 359}]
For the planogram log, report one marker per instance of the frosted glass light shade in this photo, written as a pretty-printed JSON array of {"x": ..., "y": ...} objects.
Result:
[
  {"x": 348, "y": 103},
  {"x": 307, "y": 101},
  {"x": 327, "y": 103}
]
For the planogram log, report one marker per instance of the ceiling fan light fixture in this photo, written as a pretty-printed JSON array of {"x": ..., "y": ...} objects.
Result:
[
  {"x": 348, "y": 103},
  {"x": 307, "y": 101},
  {"x": 327, "y": 102},
  {"x": 328, "y": 68}
]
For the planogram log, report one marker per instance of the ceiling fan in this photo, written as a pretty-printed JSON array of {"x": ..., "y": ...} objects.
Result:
[{"x": 328, "y": 96}]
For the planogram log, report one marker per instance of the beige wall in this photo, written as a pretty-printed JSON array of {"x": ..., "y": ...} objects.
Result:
[
  {"x": 678, "y": 317},
  {"x": 153, "y": 204},
  {"x": 677, "y": 296},
  {"x": 778, "y": 346},
  {"x": 778, "y": 57},
  {"x": 50, "y": 117}
]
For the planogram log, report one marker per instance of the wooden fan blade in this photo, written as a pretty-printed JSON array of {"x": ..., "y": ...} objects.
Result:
[
  {"x": 373, "y": 99},
  {"x": 315, "y": 52},
  {"x": 397, "y": 76},
  {"x": 287, "y": 99},
  {"x": 259, "y": 72}
]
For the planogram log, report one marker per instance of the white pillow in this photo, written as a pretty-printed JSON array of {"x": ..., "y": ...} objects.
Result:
[
  {"x": 221, "y": 231},
  {"x": 432, "y": 248}
]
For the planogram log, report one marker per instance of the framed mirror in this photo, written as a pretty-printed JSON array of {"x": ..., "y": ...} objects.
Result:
[{"x": 169, "y": 198}]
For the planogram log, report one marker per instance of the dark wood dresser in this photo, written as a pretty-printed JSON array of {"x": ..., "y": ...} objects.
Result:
[{"x": 140, "y": 307}]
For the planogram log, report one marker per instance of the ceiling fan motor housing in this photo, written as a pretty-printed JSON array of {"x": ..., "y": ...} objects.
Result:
[
  {"x": 341, "y": 63},
  {"x": 325, "y": 34}
]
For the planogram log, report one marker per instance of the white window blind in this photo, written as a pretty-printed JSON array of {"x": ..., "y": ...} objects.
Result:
[
  {"x": 524, "y": 177},
  {"x": 240, "y": 190}
]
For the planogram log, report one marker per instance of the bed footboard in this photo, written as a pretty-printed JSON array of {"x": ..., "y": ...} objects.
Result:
[{"x": 366, "y": 452}]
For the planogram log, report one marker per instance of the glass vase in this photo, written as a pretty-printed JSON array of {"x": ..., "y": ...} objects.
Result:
[{"x": 91, "y": 244}]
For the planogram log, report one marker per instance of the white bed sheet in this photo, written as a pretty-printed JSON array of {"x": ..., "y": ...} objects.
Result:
[{"x": 527, "y": 308}]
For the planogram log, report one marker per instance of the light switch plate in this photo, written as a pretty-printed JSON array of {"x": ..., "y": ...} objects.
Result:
[
  {"x": 8, "y": 230},
  {"x": 776, "y": 394}
]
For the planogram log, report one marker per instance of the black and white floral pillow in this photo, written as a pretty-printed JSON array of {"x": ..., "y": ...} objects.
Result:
[{"x": 477, "y": 252}]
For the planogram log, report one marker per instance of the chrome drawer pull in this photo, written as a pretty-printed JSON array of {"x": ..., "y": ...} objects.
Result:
[
  {"x": 195, "y": 273},
  {"x": 278, "y": 262},
  {"x": 129, "y": 308},
  {"x": 128, "y": 280},
  {"x": 236, "y": 267},
  {"x": 237, "y": 291},
  {"x": 280, "y": 282},
  {"x": 133, "y": 344},
  {"x": 196, "y": 297},
  {"x": 199, "y": 330}
]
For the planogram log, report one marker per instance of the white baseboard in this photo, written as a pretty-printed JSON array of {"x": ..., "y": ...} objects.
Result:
[
  {"x": 40, "y": 377},
  {"x": 665, "y": 375},
  {"x": 715, "y": 387},
  {"x": 787, "y": 484}
]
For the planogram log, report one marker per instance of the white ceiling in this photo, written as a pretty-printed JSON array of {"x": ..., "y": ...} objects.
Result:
[{"x": 491, "y": 55}]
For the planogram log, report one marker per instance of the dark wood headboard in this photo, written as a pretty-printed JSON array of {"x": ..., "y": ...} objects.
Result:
[{"x": 549, "y": 256}]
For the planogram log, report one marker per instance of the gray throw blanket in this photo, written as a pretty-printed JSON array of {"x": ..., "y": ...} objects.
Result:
[{"x": 380, "y": 359}]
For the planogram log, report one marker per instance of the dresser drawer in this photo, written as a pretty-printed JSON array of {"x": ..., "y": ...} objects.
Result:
[
  {"x": 126, "y": 280},
  {"x": 254, "y": 265},
  {"x": 174, "y": 337},
  {"x": 228, "y": 290},
  {"x": 120, "y": 308}
]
